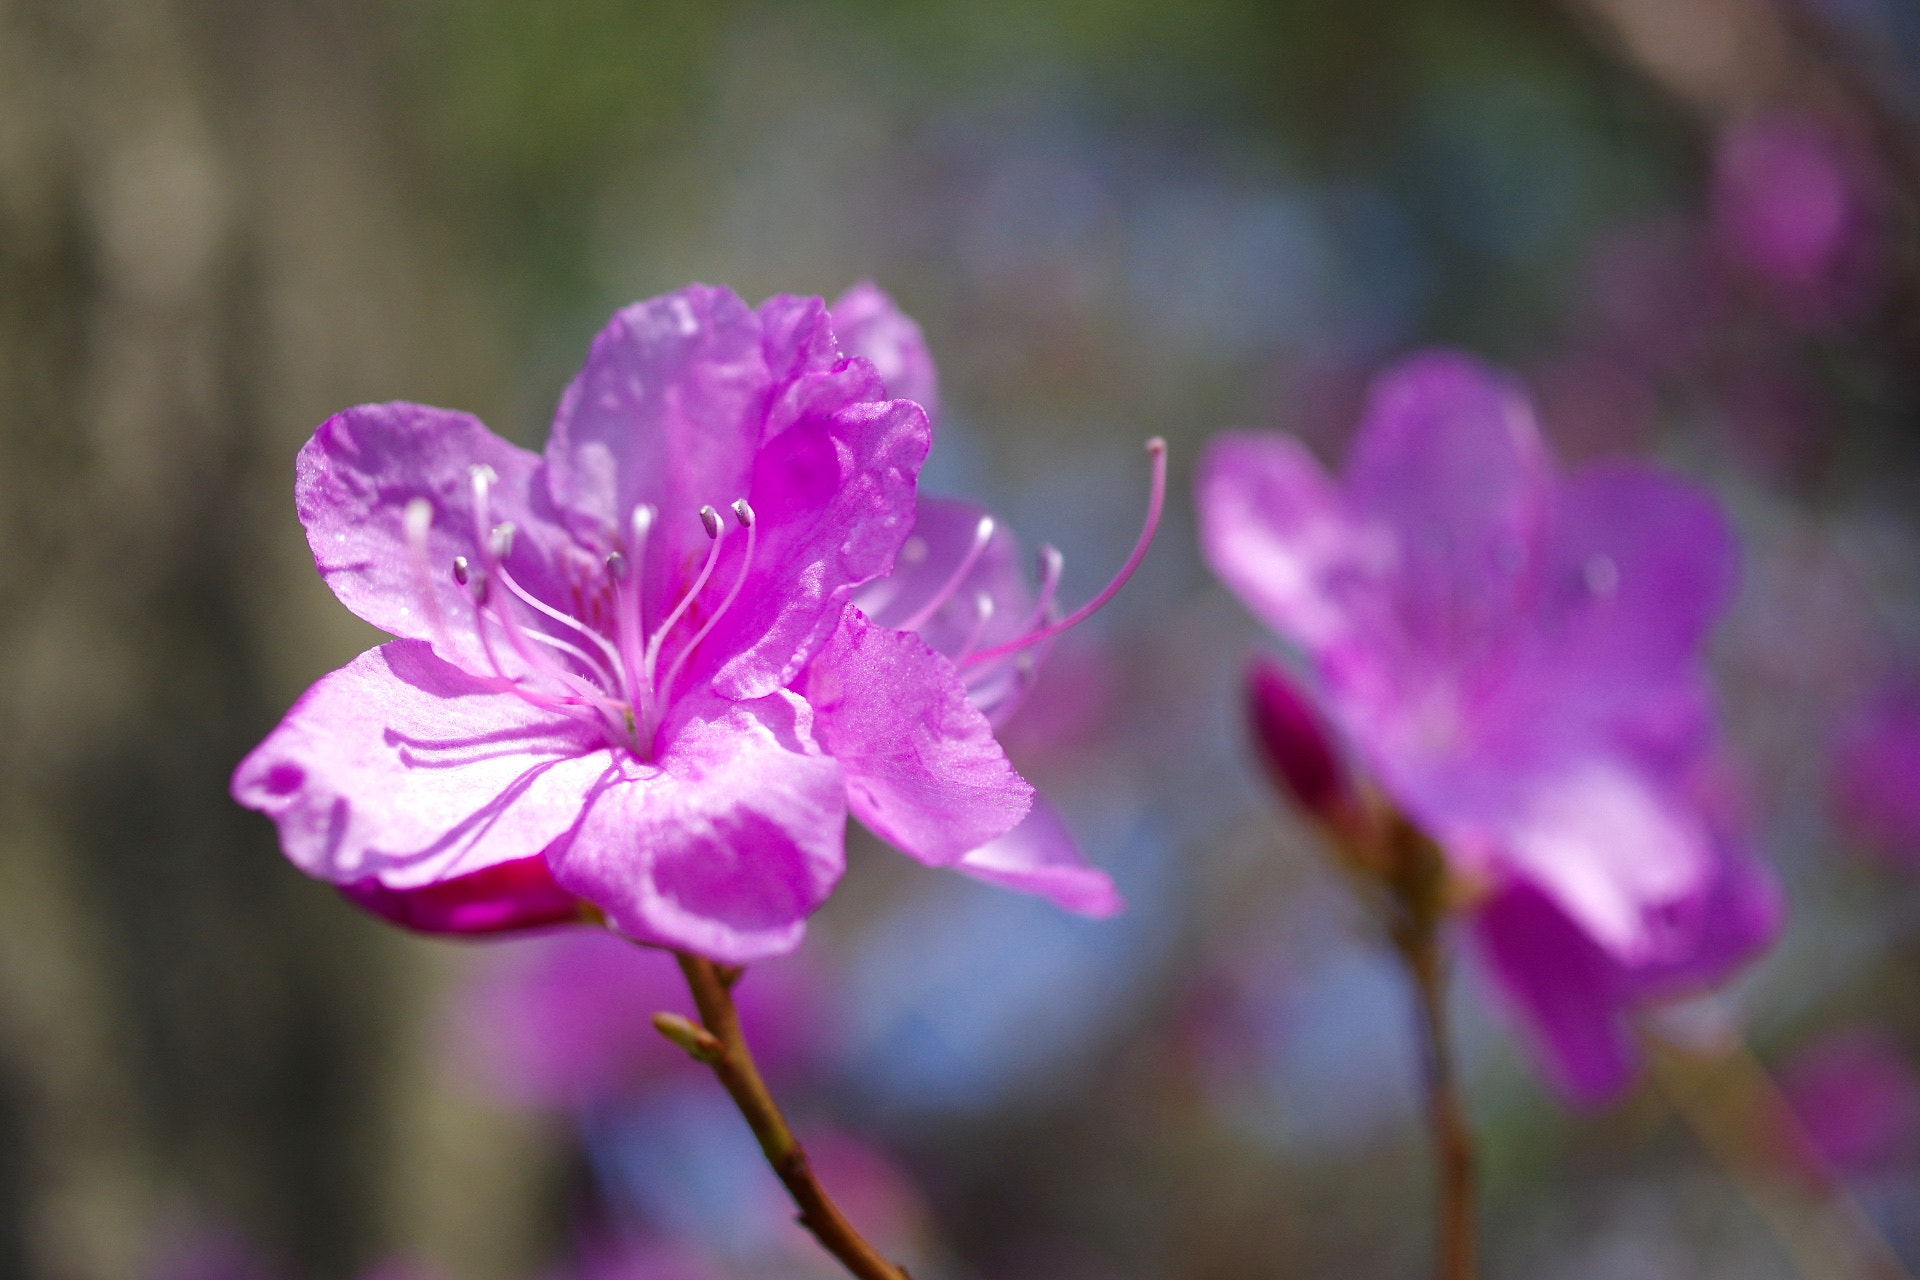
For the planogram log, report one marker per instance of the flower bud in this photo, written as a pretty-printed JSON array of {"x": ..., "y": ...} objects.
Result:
[{"x": 1293, "y": 741}]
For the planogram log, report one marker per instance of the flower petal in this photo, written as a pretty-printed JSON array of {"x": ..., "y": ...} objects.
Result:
[
  {"x": 1450, "y": 459},
  {"x": 667, "y": 411},
  {"x": 1621, "y": 857},
  {"x": 353, "y": 482},
  {"x": 727, "y": 844},
  {"x": 502, "y": 898},
  {"x": 402, "y": 768},
  {"x": 957, "y": 607},
  {"x": 1040, "y": 856},
  {"x": 869, "y": 325},
  {"x": 833, "y": 497},
  {"x": 1279, "y": 532},
  {"x": 1566, "y": 989},
  {"x": 923, "y": 769}
]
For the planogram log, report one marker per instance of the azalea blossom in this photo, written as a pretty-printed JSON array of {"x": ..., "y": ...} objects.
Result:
[
  {"x": 634, "y": 678},
  {"x": 1513, "y": 658}
]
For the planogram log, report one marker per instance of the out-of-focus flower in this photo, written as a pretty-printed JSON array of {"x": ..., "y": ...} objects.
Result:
[
  {"x": 1793, "y": 209},
  {"x": 1876, "y": 776},
  {"x": 566, "y": 1020},
  {"x": 1857, "y": 1101},
  {"x": 1515, "y": 658},
  {"x": 1293, "y": 741},
  {"x": 671, "y": 709}
]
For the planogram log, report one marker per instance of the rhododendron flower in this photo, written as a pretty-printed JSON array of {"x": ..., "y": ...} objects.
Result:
[
  {"x": 1876, "y": 776},
  {"x": 1514, "y": 658},
  {"x": 630, "y": 679},
  {"x": 1857, "y": 1103}
]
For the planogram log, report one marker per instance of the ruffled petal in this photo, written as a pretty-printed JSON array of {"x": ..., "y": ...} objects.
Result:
[
  {"x": 724, "y": 846},
  {"x": 402, "y": 768},
  {"x": 1567, "y": 991},
  {"x": 869, "y": 325},
  {"x": 923, "y": 769},
  {"x": 667, "y": 411},
  {"x": 833, "y": 497},
  {"x": 353, "y": 482},
  {"x": 1450, "y": 459},
  {"x": 1040, "y": 856}
]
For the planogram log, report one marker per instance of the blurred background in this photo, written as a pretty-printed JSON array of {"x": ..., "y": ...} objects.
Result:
[{"x": 1689, "y": 224}]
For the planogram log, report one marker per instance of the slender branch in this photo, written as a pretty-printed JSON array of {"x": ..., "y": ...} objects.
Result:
[
  {"x": 1452, "y": 1137},
  {"x": 719, "y": 1043}
]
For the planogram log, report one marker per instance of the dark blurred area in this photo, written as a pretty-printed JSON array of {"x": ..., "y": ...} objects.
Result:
[{"x": 1690, "y": 224}]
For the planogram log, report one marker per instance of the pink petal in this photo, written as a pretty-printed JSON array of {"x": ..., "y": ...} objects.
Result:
[
  {"x": 727, "y": 843},
  {"x": 833, "y": 497},
  {"x": 1040, "y": 856},
  {"x": 869, "y": 325},
  {"x": 667, "y": 411},
  {"x": 1565, "y": 989},
  {"x": 922, "y": 767},
  {"x": 353, "y": 482},
  {"x": 502, "y": 898},
  {"x": 1449, "y": 458},
  {"x": 933, "y": 587},
  {"x": 1279, "y": 532},
  {"x": 1621, "y": 857},
  {"x": 402, "y": 768}
]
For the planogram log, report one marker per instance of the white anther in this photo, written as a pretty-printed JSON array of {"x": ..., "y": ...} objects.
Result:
[
  {"x": 743, "y": 513},
  {"x": 481, "y": 473},
  {"x": 710, "y": 521},
  {"x": 500, "y": 541},
  {"x": 460, "y": 570},
  {"x": 616, "y": 566},
  {"x": 1601, "y": 574},
  {"x": 915, "y": 550}
]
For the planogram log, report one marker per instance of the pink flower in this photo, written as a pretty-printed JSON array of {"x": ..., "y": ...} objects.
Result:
[
  {"x": 1877, "y": 776},
  {"x": 607, "y": 685},
  {"x": 1857, "y": 1102},
  {"x": 1796, "y": 210},
  {"x": 1515, "y": 658}
]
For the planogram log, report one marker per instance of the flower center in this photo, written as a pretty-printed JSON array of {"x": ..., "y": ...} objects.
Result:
[{"x": 616, "y": 675}]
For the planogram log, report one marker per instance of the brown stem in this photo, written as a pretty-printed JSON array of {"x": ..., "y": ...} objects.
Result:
[
  {"x": 1452, "y": 1137},
  {"x": 731, "y": 1061}
]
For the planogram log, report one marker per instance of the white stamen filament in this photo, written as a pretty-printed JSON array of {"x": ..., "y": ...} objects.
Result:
[
  {"x": 982, "y": 535},
  {"x": 744, "y": 514}
]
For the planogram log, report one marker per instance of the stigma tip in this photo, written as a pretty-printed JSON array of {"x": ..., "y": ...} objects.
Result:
[{"x": 1157, "y": 446}]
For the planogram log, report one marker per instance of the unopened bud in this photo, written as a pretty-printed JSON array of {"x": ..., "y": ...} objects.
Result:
[{"x": 1293, "y": 741}]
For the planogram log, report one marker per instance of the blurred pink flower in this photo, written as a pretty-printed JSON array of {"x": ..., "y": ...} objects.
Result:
[
  {"x": 1794, "y": 208},
  {"x": 1857, "y": 1100},
  {"x": 600, "y": 673},
  {"x": 567, "y": 1020},
  {"x": 1517, "y": 658},
  {"x": 1876, "y": 776}
]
